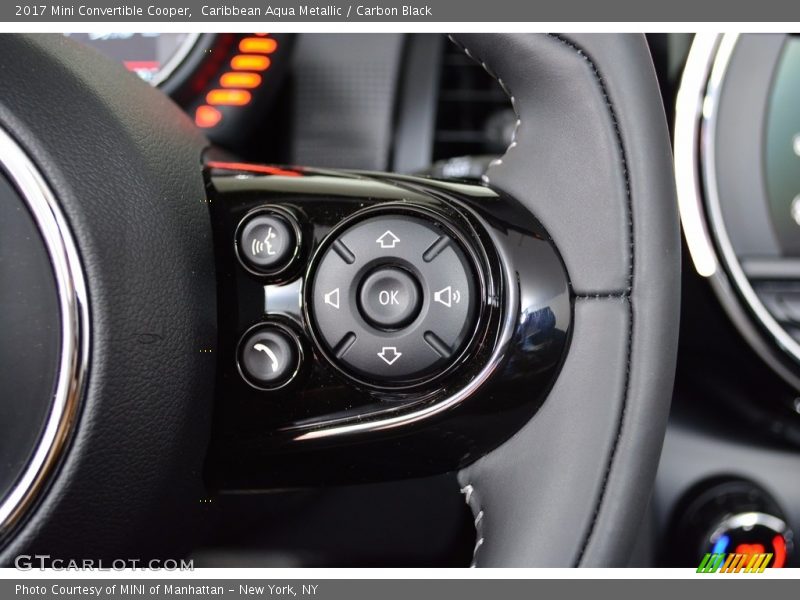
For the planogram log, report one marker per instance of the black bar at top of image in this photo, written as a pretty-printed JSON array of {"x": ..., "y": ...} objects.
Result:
[{"x": 445, "y": 11}]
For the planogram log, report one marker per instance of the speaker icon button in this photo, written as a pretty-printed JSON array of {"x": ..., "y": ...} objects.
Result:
[
  {"x": 332, "y": 298},
  {"x": 447, "y": 296}
]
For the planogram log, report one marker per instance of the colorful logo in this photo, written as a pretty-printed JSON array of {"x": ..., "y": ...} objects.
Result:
[
  {"x": 746, "y": 557},
  {"x": 735, "y": 563}
]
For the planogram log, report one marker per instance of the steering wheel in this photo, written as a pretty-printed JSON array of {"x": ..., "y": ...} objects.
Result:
[{"x": 181, "y": 323}]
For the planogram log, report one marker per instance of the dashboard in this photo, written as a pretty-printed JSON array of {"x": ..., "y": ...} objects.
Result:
[{"x": 415, "y": 104}]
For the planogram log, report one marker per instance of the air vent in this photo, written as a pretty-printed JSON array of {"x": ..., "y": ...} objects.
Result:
[{"x": 474, "y": 115}]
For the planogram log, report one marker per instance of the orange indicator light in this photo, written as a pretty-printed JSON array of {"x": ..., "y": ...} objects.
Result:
[
  {"x": 235, "y": 79},
  {"x": 250, "y": 62},
  {"x": 207, "y": 116},
  {"x": 228, "y": 97},
  {"x": 258, "y": 45}
]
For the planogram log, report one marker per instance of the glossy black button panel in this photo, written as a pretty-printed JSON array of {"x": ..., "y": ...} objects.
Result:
[
  {"x": 491, "y": 290},
  {"x": 266, "y": 242},
  {"x": 269, "y": 356},
  {"x": 393, "y": 298}
]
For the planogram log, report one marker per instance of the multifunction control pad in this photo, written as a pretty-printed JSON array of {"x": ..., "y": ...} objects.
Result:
[{"x": 393, "y": 298}]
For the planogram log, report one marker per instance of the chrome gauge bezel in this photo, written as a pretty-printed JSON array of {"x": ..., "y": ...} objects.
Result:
[{"x": 710, "y": 247}]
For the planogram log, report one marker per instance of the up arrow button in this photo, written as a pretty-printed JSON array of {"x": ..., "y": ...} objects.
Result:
[{"x": 388, "y": 240}]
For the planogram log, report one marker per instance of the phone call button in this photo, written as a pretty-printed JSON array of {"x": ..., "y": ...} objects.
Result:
[{"x": 269, "y": 356}]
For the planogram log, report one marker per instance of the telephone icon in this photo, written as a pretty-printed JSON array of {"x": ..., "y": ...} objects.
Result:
[{"x": 273, "y": 359}]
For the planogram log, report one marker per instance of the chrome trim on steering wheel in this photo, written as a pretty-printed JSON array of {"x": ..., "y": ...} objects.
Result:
[{"x": 74, "y": 317}]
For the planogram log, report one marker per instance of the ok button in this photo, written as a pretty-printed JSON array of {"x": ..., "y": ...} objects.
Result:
[{"x": 389, "y": 298}]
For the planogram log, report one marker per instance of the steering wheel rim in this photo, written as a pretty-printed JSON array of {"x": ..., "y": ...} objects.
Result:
[
  {"x": 598, "y": 162},
  {"x": 125, "y": 166},
  {"x": 590, "y": 160}
]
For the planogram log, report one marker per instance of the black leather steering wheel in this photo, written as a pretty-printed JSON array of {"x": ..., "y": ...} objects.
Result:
[{"x": 590, "y": 161}]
